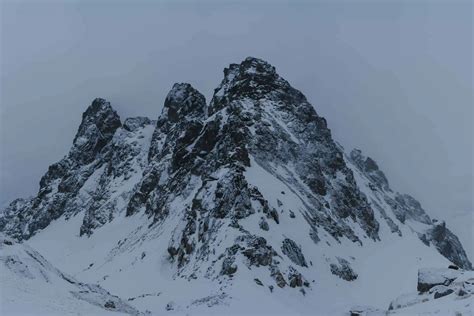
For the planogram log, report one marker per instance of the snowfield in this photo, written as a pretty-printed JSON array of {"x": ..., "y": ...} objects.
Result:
[
  {"x": 43, "y": 290},
  {"x": 33, "y": 286}
]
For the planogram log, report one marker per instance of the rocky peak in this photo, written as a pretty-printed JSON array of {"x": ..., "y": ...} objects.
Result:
[
  {"x": 250, "y": 67},
  {"x": 256, "y": 79},
  {"x": 254, "y": 66},
  {"x": 274, "y": 124},
  {"x": 99, "y": 123},
  {"x": 183, "y": 101},
  {"x": 183, "y": 112}
]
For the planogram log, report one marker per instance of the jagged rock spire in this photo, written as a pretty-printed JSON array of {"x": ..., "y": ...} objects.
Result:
[
  {"x": 99, "y": 123},
  {"x": 183, "y": 101},
  {"x": 183, "y": 106}
]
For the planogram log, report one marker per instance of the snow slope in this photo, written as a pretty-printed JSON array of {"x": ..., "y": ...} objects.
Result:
[{"x": 30, "y": 285}]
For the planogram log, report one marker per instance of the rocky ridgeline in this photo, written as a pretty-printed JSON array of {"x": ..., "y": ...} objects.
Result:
[
  {"x": 407, "y": 209},
  {"x": 191, "y": 164}
]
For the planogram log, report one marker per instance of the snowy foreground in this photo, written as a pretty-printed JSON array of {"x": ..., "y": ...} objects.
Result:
[
  {"x": 241, "y": 206},
  {"x": 31, "y": 285}
]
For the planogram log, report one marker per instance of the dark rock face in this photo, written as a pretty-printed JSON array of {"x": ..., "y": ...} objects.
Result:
[
  {"x": 61, "y": 184},
  {"x": 293, "y": 251},
  {"x": 343, "y": 270},
  {"x": 295, "y": 278},
  {"x": 183, "y": 101},
  {"x": 404, "y": 206},
  {"x": 411, "y": 208},
  {"x": 228, "y": 267},
  {"x": 109, "y": 305},
  {"x": 259, "y": 253},
  {"x": 251, "y": 97},
  {"x": 262, "y": 103},
  {"x": 12, "y": 218},
  {"x": 370, "y": 167},
  {"x": 178, "y": 126},
  {"x": 258, "y": 282},
  {"x": 407, "y": 209},
  {"x": 98, "y": 126},
  {"x": 215, "y": 145},
  {"x": 448, "y": 245},
  {"x": 443, "y": 293},
  {"x": 169, "y": 306},
  {"x": 263, "y": 224}
]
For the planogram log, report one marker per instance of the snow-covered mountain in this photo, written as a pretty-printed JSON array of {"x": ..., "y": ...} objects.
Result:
[{"x": 245, "y": 205}]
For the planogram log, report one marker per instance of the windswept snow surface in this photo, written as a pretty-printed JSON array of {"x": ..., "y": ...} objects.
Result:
[{"x": 30, "y": 285}]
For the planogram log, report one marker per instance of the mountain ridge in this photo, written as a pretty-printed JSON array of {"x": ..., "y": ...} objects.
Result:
[{"x": 252, "y": 183}]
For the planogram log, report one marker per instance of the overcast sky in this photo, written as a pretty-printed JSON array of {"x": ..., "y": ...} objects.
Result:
[{"x": 393, "y": 79}]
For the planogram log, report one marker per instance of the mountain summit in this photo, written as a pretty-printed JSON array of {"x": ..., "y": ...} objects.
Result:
[{"x": 210, "y": 205}]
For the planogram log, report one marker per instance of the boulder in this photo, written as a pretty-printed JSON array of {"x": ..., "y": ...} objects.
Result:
[{"x": 428, "y": 278}]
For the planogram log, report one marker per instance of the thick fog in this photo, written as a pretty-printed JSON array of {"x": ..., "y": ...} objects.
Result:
[{"x": 393, "y": 79}]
